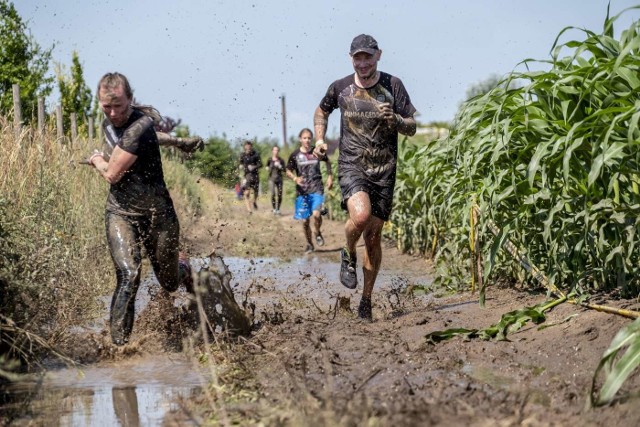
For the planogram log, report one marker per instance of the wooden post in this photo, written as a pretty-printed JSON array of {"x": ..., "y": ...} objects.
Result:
[
  {"x": 284, "y": 122},
  {"x": 41, "y": 115},
  {"x": 100, "y": 131},
  {"x": 59, "y": 123},
  {"x": 90, "y": 129},
  {"x": 74, "y": 128},
  {"x": 17, "y": 111}
]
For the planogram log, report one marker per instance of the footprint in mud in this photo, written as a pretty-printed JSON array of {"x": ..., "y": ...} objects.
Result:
[{"x": 591, "y": 333}]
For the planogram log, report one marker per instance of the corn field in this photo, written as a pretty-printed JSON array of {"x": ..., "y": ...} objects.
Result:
[{"x": 551, "y": 157}]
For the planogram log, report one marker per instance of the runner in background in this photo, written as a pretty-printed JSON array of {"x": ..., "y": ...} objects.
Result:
[
  {"x": 303, "y": 168},
  {"x": 275, "y": 166},
  {"x": 250, "y": 164}
]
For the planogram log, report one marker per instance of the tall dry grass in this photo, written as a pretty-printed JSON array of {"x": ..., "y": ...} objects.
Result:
[
  {"x": 53, "y": 258},
  {"x": 55, "y": 267}
]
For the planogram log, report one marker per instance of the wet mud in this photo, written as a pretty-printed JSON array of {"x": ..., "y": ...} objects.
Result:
[
  {"x": 140, "y": 391},
  {"x": 308, "y": 360}
]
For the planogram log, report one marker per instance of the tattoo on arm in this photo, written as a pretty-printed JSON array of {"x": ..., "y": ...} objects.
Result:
[{"x": 320, "y": 121}]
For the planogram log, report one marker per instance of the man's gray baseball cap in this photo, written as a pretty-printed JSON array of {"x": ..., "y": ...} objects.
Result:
[{"x": 363, "y": 43}]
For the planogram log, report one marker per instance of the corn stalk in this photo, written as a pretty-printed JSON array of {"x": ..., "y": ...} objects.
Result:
[{"x": 553, "y": 155}]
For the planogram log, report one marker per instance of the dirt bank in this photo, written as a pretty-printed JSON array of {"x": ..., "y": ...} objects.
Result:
[{"x": 310, "y": 363}]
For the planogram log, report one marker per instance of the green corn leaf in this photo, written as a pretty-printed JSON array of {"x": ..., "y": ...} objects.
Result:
[
  {"x": 629, "y": 75},
  {"x": 509, "y": 322},
  {"x": 567, "y": 157},
  {"x": 438, "y": 336},
  {"x": 633, "y": 127},
  {"x": 614, "y": 151},
  {"x": 534, "y": 165},
  {"x": 617, "y": 370}
]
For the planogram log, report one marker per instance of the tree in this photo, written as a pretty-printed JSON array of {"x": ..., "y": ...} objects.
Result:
[
  {"x": 22, "y": 62},
  {"x": 483, "y": 86},
  {"x": 218, "y": 161},
  {"x": 75, "y": 95}
]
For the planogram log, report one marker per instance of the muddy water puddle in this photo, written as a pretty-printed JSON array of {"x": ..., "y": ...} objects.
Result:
[
  {"x": 135, "y": 392},
  {"x": 310, "y": 277},
  {"x": 145, "y": 390}
]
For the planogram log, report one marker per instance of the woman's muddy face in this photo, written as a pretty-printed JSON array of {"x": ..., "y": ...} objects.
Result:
[{"x": 115, "y": 104}]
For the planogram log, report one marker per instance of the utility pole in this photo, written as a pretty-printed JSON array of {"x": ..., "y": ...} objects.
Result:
[{"x": 284, "y": 122}]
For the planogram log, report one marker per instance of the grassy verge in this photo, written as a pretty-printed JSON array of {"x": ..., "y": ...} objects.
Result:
[{"x": 54, "y": 263}]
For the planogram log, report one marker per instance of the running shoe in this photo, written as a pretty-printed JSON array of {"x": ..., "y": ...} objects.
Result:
[
  {"x": 309, "y": 249},
  {"x": 319, "y": 240},
  {"x": 364, "y": 309},
  {"x": 348, "y": 264}
]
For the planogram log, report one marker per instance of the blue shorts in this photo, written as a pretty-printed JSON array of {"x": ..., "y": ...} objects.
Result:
[{"x": 305, "y": 205}]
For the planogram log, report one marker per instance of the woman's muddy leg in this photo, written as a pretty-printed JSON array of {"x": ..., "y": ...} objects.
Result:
[
  {"x": 162, "y": 243},
  {"x": 279, "y": 198},
  {"x": 124, "y": 244}
]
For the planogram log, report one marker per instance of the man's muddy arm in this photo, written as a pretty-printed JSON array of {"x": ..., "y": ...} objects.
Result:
[
  {"x": 406, "y": 125},
  {"x": 320, "y": 121}
]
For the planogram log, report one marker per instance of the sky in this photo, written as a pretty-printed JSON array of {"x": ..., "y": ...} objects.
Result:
[{"x": 221, "y": 66}]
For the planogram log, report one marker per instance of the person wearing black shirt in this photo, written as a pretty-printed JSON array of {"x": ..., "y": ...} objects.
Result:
[
  {"x": 374, "y": 108},
  {"x": 139, "y": 209},
  {"x": 303, "y": 168},
  {"x": 250, "y": 164},
  {"x": 275, "y": 166}
]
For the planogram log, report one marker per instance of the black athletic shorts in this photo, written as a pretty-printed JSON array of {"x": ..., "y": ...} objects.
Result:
[
  {"x": 381, "y": 196},
  {"x": 253, "y": 182}
]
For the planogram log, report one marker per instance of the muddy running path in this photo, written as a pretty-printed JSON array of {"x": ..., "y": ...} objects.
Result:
[{"x": 311, "y": 362}]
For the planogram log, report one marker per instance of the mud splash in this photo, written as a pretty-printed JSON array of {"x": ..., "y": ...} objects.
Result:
[{"x": 149, "y": 388}]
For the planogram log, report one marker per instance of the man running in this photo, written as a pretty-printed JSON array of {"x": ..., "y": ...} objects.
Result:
[
  {"x": 374, "y": 108},
  {"x": 250, "y": 164}
]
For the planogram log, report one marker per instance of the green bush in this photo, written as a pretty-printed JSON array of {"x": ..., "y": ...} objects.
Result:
[{"x": 218, "y": 162}]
